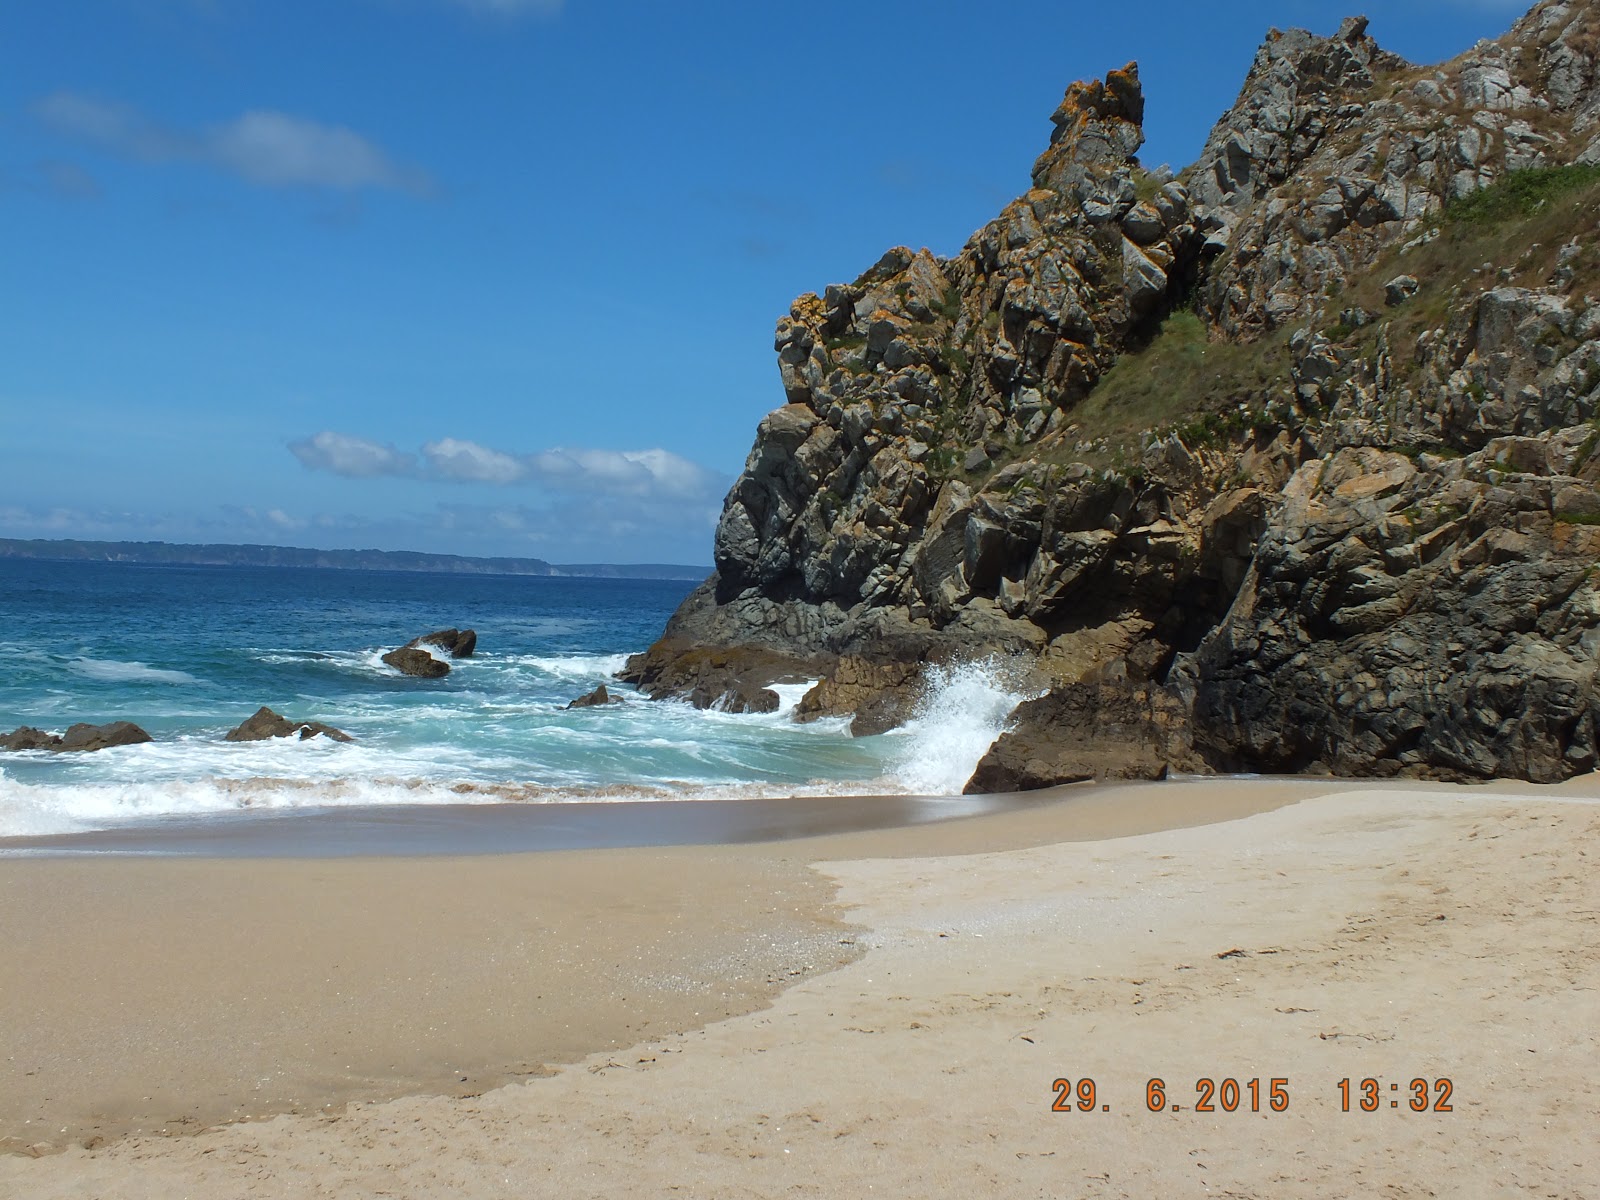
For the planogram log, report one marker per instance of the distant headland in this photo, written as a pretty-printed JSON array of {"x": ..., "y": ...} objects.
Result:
[{"x": 182, "y": 554}]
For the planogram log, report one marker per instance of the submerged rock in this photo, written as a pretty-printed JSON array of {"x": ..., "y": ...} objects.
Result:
[
  {"x": 265, "y": 724},
  {"x": 79, "y": 737},
  {"x": 408, "y": 660}
]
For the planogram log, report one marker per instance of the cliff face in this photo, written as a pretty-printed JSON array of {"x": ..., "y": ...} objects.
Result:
[{"x": 1283, "y": 464}]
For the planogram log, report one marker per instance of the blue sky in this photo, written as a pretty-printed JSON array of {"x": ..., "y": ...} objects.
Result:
[{"x": 500, "y": 276}]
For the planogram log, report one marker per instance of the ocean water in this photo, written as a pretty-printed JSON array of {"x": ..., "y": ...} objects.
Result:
[{"x": 189, "y": 652}]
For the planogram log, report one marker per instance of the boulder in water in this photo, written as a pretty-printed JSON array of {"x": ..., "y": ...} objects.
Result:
[
  {"x": 457, "y": 643},
  {"x": 740, "y": 697},
  {"x": 267, "y": 724},
  {"x": 598, "y": 698},
  {"x": 81, "y": 736},
  {"x": 408, "y": 660},
  {"x": 26, "y": 737}
]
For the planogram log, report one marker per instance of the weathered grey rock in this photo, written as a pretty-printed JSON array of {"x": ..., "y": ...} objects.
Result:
[
  {"x": 1329, "y": 506},
  {"x": 1399, "y": 289},
  {"x": 409, "y": 660},
  {"x": 1397, "y": 621},
  {"x": 265, "y": 724}
]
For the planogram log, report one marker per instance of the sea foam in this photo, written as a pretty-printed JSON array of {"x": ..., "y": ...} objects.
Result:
[
  {"x": 963, "y": 709},
  {"x": 112, "y": 671}
]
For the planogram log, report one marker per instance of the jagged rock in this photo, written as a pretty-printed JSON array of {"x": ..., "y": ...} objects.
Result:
[
  {"x": 457, "y": 643},
  {"x": 878, "y": 694},
  {"x": 740, "y": 697},
  {"x": 1400, "y": 621},
  {"x": 1283, "y": 553},
  {"x": 733, "y": 677},
  {"x": 79, "y": 737},
  {"x": 264, "y": 724},
  {"x": 410, "y": 661},
  {"x": 598, "y": 698},
  {"x": 26, "y": 737},
  {"x": 1088, "y": 731}
]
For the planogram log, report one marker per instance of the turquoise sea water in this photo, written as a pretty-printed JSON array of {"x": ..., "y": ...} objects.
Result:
[{"x": 189, "y": 652}]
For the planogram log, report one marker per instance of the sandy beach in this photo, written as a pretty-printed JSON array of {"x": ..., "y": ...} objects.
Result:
[{"x": 872, "y": 1012}]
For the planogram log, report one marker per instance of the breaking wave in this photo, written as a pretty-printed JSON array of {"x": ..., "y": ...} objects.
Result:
[{"x": 964, "y": 708}]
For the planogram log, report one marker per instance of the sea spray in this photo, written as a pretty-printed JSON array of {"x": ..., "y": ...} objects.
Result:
[{"x": 964, "y": 707}]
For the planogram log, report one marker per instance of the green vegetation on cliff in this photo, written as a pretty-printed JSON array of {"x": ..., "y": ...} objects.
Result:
[
  {"x": 1520, "y": 194},
  {"x": 1180, "y": 380}
]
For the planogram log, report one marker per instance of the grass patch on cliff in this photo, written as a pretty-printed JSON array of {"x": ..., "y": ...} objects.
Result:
[
  {"x": 1179, "y": 379},
  {"x": 1520, "y": 194},
  {"x": 1510, "y": 234}
]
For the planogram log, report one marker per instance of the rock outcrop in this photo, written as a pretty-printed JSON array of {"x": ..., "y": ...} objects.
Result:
[
  {"x": 412, "y": 659},
  {"x": 79, "y": 737},
  {"x": 598, "y": 698},
  {"x": 1283, "y": 463},
  {"x": 1089, "y": 731},
  {"x": 265, "y": 724},
  {"x": 457, "y": 643},
  {"x": 409, "y": 660}
]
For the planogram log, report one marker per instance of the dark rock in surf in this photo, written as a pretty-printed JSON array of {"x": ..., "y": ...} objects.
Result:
[
  {"x": 738, "y": 697},
  {"x": 81, "y": 736},
  {"x": 266, "y": 724},
  {"x": 28, "y": 738},
  {"x": 457, "y": 643},
  {"x": 598, "y": 698},
  {"x": 880, "y": 693},
  {"x": 410, "y": 661}
]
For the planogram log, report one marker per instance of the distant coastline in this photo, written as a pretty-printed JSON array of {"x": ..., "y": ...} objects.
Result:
[{"x": 224, "y": 555}]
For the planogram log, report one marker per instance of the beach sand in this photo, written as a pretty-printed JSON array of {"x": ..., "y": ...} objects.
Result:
[{"x": 1342, "y": 931}]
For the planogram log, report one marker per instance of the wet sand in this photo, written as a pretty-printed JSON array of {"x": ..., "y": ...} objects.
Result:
[
  {"x": 1394, "y": 933},
  {"x": 174, "y": 976}
]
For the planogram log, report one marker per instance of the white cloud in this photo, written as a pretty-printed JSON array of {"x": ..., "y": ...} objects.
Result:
[
  {"x": 277, "y": 150},
  {"x": 115, "y": 126},
  {"x": 643, "y": 473},
  {"x": 472, "y": 463},
  {"x": 634, "y": 472},
  {"x": 354, "y": 457},
  {"x": 264, "y": 147}
]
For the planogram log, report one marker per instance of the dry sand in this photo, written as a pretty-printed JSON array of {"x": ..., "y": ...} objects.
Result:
[{"x": 1387, "y": 933}]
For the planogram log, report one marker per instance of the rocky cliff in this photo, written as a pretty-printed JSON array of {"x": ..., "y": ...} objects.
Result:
[{"x": 1285, "y": 463}]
